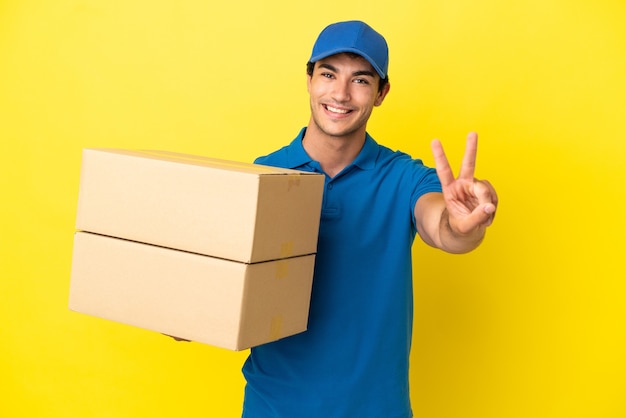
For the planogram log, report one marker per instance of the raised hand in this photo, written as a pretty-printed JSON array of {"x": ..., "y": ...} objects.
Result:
[{"x": 471, "y": 203}]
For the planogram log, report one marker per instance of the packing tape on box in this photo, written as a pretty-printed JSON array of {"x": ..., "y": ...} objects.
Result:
[
  {"x": 276, "y": 327},
  {"x": 286, "y": 249},
  {"x": 293, "y": 180},
  {"x": 282, "y": 269}
]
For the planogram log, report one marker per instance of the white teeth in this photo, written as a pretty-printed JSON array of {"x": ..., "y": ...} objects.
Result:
[{"x": 335, "y": 110}]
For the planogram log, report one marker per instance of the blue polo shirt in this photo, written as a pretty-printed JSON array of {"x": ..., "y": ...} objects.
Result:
[{"x": 353, "y": 360}]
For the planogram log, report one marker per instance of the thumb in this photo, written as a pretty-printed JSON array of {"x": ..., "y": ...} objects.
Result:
[{"x": 489, "y": 211}]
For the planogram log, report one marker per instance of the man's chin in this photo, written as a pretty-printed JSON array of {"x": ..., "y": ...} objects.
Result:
[{"x": 337, "y": 132}]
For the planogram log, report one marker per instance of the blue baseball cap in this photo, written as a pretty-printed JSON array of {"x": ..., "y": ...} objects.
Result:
[{"x": 356, "y": 37}]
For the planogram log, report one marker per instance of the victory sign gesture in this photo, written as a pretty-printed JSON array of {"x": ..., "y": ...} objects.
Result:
[{"x": 470, "y": 203}]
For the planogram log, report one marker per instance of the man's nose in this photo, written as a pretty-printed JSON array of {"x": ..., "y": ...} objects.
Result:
[{"x": 341, "y": 92}]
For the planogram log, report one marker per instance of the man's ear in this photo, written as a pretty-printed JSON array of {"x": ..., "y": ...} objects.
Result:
[
  {"x": 382, "y": 94},
  {"x": 308, "y": 83}
]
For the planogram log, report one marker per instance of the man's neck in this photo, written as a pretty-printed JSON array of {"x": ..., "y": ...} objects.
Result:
[{"x": 334, "y": 153}]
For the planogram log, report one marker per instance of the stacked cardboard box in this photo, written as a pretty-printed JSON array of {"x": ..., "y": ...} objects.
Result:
[{"x": 208, "y": 250}]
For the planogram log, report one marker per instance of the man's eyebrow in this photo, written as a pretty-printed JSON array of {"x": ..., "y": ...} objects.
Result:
[
  {"x": 363, "y": 72},
  {"x": 328, "y": 67},
  {"x": 355, "y": 74}
]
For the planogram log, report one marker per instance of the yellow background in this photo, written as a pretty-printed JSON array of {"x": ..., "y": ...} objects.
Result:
[{"x": 530, "y": 325}]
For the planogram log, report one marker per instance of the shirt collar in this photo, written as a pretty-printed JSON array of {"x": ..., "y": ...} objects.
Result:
[
  {"x": 366, "y": 160},
  {"x": 297, "y": 156}
]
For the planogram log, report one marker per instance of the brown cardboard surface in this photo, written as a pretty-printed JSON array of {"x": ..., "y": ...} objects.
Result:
[
  {"x": 232, "y": 210},
  {"x": 196, "y": 297}
]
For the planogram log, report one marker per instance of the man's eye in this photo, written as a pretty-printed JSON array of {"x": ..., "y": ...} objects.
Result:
[
  {"x": 327, "y": 75},
  {"x": 361, "y": 81}
]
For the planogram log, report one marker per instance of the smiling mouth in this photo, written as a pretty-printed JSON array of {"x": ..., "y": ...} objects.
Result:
[{"x": 337, "y": 110}]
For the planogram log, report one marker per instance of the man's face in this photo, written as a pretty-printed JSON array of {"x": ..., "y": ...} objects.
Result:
[{"x": 343, "y": 91}]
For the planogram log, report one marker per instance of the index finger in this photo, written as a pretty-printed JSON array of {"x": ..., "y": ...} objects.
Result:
[
  {"x": 468, "y": 166},
  {"x": 444, "y": 172}
]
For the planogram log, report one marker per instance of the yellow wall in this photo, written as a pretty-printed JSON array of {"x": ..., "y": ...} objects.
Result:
[{"x": 530, "y": 325}]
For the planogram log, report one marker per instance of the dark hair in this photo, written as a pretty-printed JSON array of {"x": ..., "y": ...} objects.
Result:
[{"x": 382, "y": 82}]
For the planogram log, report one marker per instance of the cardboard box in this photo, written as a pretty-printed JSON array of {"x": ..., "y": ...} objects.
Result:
[
  {"x": 196, "y": 297},
  {"x": 237, "y": 211}
]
